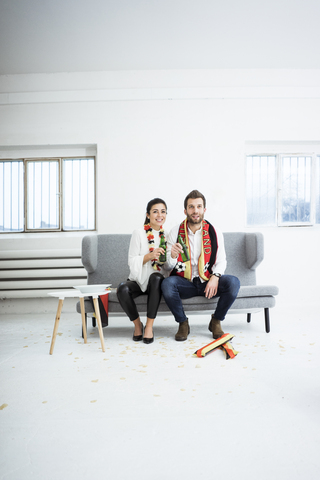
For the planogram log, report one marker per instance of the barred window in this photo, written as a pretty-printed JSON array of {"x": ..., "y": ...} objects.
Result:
[
  {"x": 47, "y": 194},
  {"x": 283, "y": 190}
]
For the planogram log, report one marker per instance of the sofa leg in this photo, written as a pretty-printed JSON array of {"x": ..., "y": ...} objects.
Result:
[
  {"x": 94, "y": 322},
  {"x": 85, "y": 317},
  {"x": 248, "y": 317},
  {"x": 267, "y": 319}
]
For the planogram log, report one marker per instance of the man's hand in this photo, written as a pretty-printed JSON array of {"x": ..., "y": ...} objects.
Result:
[
  {"x": 211, "y": 287},
  {"x": 175, "y": 250}
]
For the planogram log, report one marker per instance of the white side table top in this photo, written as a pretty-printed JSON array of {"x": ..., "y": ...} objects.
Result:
[{"x": 76, "y": 293}]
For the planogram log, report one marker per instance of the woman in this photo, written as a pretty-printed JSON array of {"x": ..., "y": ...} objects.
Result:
[{"x": 146, "y": 269}]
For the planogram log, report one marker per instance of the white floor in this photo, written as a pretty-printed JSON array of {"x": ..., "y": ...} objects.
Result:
[{"x": 156, "y": 411}]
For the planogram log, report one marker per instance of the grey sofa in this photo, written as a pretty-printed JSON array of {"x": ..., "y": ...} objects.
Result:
[{"x": 105, "y": 257}]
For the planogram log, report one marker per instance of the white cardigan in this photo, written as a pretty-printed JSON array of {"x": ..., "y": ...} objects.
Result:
[{"x": 139, "y": 247}]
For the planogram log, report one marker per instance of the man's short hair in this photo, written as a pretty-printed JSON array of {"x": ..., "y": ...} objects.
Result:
[{"x": 194, "y": 194}]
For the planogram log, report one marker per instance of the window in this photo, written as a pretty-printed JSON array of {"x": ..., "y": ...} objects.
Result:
[
  {"x": 295, "y": 190},
  {"x": 47, "y": 194},
  {"x": 283, "y": 189}
]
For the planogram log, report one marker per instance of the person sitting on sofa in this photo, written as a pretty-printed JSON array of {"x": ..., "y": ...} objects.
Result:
[
  {"x": 146, "y": 260},
  {"x": 203, "y": 273}
]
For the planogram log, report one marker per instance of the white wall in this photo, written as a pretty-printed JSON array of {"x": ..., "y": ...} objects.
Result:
[{"x": 166, "y": 133}]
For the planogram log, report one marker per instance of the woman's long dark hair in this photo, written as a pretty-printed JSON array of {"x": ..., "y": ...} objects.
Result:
[{"x": 152, "y": 202}]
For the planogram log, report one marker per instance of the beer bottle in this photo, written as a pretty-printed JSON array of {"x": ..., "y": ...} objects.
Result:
[
  {"x": 163, "y": 256},
  {"x": 185, "y": 254}
]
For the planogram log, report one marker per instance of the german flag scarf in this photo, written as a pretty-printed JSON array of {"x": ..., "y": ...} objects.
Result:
[{"x": 208, "y": 254}]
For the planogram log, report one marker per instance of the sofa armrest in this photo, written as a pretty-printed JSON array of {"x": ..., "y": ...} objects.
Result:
[
  {"x": 254, "y": 249},
  {"x": 89, "y": 254}
]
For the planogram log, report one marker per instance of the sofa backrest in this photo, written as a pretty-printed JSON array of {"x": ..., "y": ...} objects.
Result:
[
  {"x": 241, "y": 249},
  {"x": 105, "y": 256},
  {"x": 112, "y": 259}
]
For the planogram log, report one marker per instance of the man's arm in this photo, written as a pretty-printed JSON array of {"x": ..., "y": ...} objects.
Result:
[
  {"x": 219, "y": 267},
  {"x": 221, "y": 260}
]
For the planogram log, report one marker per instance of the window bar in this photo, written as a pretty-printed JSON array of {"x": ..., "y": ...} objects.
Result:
[
  {"x": 306, "y": 177},
  {"x": 49, "y": 193},
  {"x": 87, "y": 224},
  {"x": 302, "y": 165},
  {"x": 18, "y": 196},
  {"x": 11, "y": 197},
  {"x": 305, "y": 187},
  {"x": 79, "y": 221},
  {"x": 297, "y": 188},
  {"x": 252, "y": 186},
  {"x": 268, "y": 182},
  {"x": 318, "y": 191},
  {"x": 259, "y": 182},
  {"x": 2, "y": 168},
  {"x": 34, "y": 199},
  {"x": 291, "y": 179},
  {"x": 41, "y": 193},
  {"x": 249, "y": 182},
  {"x": 71, "y": 194},
  {"x": 4, "y": 199}
]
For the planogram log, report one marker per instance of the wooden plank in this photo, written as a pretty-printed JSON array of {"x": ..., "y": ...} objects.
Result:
[
  {"x": 38, "y": 284},
  {"x": 64, "y": 253},
  {"x": 40, "y": 263},
  {"x": 43, "y": 273}
]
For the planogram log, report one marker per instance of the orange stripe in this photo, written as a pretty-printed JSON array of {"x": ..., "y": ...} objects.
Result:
[{"x": 105, "y": 301}]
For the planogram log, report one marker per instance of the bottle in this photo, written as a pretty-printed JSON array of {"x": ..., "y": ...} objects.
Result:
[
  {"x": 163, "y": 256},
  {"x": 185, "y": 254}
]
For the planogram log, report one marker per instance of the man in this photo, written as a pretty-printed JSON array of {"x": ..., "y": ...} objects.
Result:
[{"x": 203, "y": 274}]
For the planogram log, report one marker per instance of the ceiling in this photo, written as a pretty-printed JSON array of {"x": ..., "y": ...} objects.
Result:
[{"x": 48, "y": 36}]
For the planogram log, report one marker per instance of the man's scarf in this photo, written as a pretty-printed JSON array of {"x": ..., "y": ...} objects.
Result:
[{"x": 209, "y": 248}]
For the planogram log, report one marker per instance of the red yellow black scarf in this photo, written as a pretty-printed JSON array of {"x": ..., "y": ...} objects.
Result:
[{"x": 208, "y": 255}]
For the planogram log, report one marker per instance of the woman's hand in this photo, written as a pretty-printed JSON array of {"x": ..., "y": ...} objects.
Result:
[
  {"x": 150, "y": 257},
  {"x": 176, "y": 249}
]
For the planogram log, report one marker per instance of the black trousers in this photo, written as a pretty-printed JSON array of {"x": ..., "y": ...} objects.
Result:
[{"x": 129, "y": 290}]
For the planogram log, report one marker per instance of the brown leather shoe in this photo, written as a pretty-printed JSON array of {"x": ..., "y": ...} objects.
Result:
[
  {"x": 215, "y": 328},
  {"x": 183, "y": 331}
]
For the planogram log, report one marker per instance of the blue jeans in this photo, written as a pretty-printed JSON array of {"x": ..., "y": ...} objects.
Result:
[{"x": 175, "y": 288}]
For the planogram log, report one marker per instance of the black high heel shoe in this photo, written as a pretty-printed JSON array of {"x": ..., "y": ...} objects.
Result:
[{"x": 138, "y": 338}]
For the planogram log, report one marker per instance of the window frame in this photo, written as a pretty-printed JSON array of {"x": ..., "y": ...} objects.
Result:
[
  {"x": 315, "y": 174},
  {"x": 60, "y": 160},
  {"x": 60, "y": 216}
]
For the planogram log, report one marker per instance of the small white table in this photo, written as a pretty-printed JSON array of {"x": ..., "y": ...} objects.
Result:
[{"x": 76, "y": 293}]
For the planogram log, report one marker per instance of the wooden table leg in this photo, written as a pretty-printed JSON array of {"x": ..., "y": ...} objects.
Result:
[
  {"x": 84, "y": 328},
  {"x": 97, "y": 312},
  {"x": 56, "y": 325}
]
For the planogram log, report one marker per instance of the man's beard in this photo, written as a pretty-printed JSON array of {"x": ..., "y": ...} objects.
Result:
[{"x": 193, "y": 222}]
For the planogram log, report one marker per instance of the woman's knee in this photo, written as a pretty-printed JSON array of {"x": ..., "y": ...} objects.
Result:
[
  {"x": 156, "y": 279},
  {"x": 123, "y": 290}
]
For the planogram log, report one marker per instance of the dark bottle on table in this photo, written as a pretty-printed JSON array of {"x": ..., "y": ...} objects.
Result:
[
  {"x": 163, "y": 256},
  {"x": 185, "y": 254}
]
